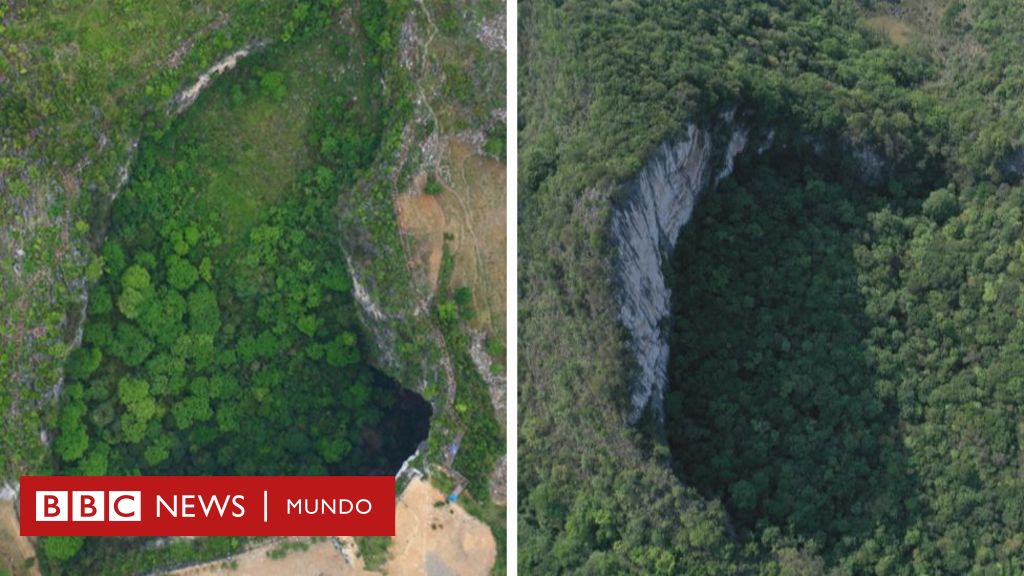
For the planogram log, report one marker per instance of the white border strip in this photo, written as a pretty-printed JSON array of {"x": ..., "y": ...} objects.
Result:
[{"x": 512, "y": 295}]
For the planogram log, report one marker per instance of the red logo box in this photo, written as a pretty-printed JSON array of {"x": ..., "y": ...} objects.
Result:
[{"x": 207, "y": 506}]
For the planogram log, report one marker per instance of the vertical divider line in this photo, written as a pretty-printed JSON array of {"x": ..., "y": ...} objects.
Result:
[{"x": 511, "y": 277}]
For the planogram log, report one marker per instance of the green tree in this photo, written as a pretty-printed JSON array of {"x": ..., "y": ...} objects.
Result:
[
  {"x": 60, "y": 548},
  {"x": 448, "y": 312},
  {"x": 135, "y": 291},
  {"x": 342, "y": 351},
  {"x": 203, "y": 312},
  {"x": 433, "y": 187},
  {"x": 273, "y": 85},
  {"x": 74, "y": 437},
  {"x": 181, "y": 274}
]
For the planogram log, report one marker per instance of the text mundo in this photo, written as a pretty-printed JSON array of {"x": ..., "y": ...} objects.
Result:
[{"x": 339, "y": 506}]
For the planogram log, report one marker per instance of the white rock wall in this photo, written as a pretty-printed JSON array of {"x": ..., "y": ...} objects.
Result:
[{"x": 659, "y": 201}]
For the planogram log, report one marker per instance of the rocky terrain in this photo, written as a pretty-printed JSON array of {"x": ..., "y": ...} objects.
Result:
[{"x": 645, "y": 224}]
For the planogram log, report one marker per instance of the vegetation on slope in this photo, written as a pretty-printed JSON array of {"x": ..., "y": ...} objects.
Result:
[
  {"x": 225, "y": 299},
  {"x": 862, "y": 353},
  {"x": 78, "y": 80},
  {"x": 483, "y": 443},
  {"x": 847, "y": 370},
  {"x": 220, "y": 313},
  {"x": 222, "y": 335},
  {"x": 220, "y": 317},
  {"x": 775, "y": 408}
]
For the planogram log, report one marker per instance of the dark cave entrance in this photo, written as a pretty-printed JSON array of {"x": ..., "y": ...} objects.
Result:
[
  {"x": 773, "y": 404},
  {"x": 399, "y": 433}
]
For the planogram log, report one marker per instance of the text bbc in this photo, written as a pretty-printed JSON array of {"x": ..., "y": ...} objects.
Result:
[{"x": 89, "y": 506}]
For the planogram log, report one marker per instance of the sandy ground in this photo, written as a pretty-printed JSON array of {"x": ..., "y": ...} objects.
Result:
[
  {"x": 420, "y": 216},
  {"x": 14, "y": 549},
  {"x": 438, "y": 541},
  {"x": 474, "y": 207},
  {"x": 472, "y": 210},
  {"x": 430, "y": 541}
]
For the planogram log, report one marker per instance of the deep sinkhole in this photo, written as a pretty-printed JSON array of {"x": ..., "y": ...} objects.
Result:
[
  {"x": 222, "y": 336},
  {"x": 773, "y": 404}
]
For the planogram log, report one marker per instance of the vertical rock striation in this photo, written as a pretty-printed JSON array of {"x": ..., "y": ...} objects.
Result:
[{"x": 645, "y": 224}]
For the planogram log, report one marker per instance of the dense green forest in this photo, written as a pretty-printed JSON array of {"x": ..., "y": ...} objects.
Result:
[
  {"x": 848, "y": 372},
  {"x": 846, "y": 346},
  {"x": 224, "y": 313},
  {"x": 79, "y": 86},
  {"x": 202, "y": 267},
  {"x": 222, "y": 336}
]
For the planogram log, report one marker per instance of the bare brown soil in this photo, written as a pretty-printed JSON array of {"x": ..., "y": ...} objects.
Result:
[
  {"x": 15, "y": 550},
  {"x": 430, "y": 540},
  {"x": 420, "y": 216},
  {"x": 438, "y": 540},
  {"x": 474, "y": 209}
]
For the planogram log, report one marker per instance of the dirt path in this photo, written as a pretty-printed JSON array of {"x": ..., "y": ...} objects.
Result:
[
  {"x": 430, "y": 540},
  {"x": 320, "y": 559},
  {"x": 15, "y": 550}
]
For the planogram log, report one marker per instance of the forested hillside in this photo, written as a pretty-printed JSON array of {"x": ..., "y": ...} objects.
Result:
[
  {"x": 203, "y": 270},
  {"x": 846, "y": 327},
  {"x": 77, "y": 88}
]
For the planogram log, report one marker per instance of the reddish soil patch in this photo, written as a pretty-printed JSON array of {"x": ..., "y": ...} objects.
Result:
[{"x": 421, "y": 218}]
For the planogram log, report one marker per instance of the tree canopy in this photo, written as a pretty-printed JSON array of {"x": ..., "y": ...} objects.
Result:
[{"x": 846, "y": 324}]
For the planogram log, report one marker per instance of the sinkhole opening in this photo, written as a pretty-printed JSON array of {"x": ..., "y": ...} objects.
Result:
[
  {"x": 222, "y": 336},
  {"x": 775, "y": 404}
]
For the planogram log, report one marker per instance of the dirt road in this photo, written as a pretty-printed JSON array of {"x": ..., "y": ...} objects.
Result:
[{"x": 431, "y": 540}]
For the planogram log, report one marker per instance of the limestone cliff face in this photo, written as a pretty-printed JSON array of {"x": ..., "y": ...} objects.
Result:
[{"x": 645, "y": 224}]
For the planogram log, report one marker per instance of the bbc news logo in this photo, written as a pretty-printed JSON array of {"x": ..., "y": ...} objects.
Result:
[
  {"x": 207, "y": 506},
  {"x": 88, "y": 506}
]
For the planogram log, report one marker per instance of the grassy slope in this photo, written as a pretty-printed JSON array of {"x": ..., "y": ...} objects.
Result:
[
  {"x": 257, "y": 150},
  {"x": 463, "y": 82},
  {"x": 264, "y": 150},
  {"x": 79, "y": 78}
]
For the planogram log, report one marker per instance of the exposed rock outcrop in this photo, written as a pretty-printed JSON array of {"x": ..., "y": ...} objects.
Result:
[
  {"x": 9, "y": 491},
  {"x": 654, "y": 207},
  {"x": 182, "y": 100}
]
